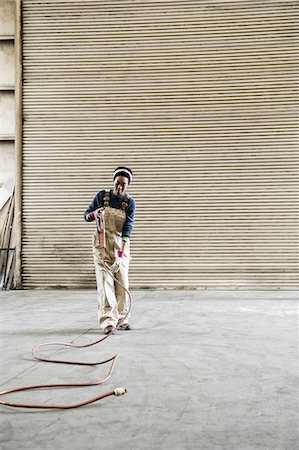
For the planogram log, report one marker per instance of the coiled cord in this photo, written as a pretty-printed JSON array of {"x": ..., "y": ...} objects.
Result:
[{"x": 116, "y": 392}]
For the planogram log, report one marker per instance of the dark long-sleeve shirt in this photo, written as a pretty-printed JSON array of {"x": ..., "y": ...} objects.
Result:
[{"x": 114, "y": 202}]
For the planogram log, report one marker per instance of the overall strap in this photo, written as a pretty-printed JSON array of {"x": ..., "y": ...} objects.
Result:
[
  {"x": 125, "y": 203},
  {"x": 106, "y": 197}
]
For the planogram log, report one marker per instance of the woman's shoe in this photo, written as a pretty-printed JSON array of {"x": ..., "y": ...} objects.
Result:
[
  {"x": 125, "y": 326},
  {"x": 109, "y": 329}
]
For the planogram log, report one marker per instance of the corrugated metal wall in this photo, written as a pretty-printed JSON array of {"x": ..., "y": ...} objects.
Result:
[{"x": 198, "y": 98}]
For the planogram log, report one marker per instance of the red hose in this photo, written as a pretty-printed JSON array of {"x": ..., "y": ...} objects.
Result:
[
  {"x": 88, "y": 383},
  {"x": 75, "y": 405}
]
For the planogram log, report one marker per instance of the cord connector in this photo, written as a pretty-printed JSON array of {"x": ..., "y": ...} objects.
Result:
[{"x": 120, "y": 391}]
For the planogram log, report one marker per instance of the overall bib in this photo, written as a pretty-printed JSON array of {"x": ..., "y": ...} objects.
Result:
[{"x": 112, "y": 298}]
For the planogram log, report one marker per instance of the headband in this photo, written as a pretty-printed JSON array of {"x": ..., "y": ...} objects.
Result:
[{"x": 123, "y": 170}]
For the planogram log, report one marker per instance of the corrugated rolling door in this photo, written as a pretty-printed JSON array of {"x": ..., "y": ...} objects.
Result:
[{"x": 198, "y": 98}]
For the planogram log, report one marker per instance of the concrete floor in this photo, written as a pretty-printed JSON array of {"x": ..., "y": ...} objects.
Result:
[{"x": 203, "y": 370}]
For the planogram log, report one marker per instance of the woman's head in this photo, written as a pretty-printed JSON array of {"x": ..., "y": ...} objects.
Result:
[{"x": 122, "y": 177}]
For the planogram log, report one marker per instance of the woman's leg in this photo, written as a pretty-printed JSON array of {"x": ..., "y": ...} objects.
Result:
[
  {"x": 107, "y": 304},
  {"x": 122, "y": 297}
]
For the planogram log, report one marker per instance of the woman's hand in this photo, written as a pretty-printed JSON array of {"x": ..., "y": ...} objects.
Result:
[{"x": 118, "y": 261}]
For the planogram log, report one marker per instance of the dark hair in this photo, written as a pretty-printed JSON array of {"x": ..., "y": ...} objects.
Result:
[{"x": 123, "y": 172}]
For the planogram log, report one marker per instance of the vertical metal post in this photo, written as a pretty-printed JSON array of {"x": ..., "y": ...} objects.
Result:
[{"x": 18, "y": 145}]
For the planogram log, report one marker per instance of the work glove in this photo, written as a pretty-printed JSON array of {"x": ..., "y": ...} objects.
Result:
[
  {"x": 93, "y": 214},
  {"x": 90, "y": 216},
  {"x": 117, "y": 263}
]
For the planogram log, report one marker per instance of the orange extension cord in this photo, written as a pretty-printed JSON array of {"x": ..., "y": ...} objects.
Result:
[{"x": 117, "y": 391}]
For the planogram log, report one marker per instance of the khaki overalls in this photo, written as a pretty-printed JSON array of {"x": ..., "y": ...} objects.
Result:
[{"x": 112, "y": 298}]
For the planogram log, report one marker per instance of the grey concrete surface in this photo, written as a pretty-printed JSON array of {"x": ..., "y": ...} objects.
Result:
[{"x": 203, "y": 370}]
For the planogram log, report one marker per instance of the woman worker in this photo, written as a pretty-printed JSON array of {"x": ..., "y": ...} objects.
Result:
[{"x": 117, "y": 212}]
